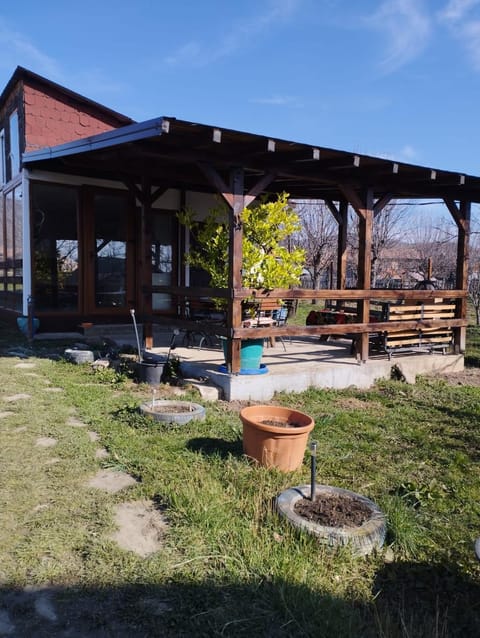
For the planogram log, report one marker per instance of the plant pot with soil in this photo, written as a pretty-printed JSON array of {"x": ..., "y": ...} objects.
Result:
[{"x": 275, "y": 436}]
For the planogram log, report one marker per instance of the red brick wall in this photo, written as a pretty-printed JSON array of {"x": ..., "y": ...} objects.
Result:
[{"x": 50, "y": 121}]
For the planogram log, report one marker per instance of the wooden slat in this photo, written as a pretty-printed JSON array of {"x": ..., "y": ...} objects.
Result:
[
  {"x": 404, "y": 342},
  {"x": 401, "y": 335},
  {"x": 438, "y": 315},
  {"x": 446, "y": 339},
  {"x": 443, "y": 306},
  {"x": 398, "y": 316}
]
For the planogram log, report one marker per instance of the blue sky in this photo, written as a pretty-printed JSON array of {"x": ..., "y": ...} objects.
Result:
[{"x": 394, "y": 78}]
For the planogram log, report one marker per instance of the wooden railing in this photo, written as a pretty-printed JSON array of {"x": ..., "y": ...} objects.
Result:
[{"x": 361, "y": 299}]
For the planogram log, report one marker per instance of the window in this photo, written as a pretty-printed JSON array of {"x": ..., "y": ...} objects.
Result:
[
  {"x": 162, "y": 252},
  {"x": 14, "y": 154},
  {"x": 111, "y": 228},
  {"x": 55, "y": 259},
  {"x": 2, "y": 158},
  {"x": 11, "y": 251},
  {"x": 3, "y": 262}
]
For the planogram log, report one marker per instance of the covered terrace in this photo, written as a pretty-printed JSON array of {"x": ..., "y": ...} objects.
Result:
[{"x": 152, "y": 157}]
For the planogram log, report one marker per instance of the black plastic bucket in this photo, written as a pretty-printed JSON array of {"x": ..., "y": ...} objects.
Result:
[{"x": 148, "y": 372}]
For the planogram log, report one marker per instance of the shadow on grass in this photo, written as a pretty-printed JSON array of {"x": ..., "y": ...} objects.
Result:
[
  {"x": 472, "y": 361},
  {"x": 413, "y": 600},
  {"x": 420, "y": 599},
  {"x": 180, "y": 609},
  {"x": 209, "y": 446}
]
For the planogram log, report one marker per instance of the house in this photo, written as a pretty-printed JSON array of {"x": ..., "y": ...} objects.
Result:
[
  {"x": 36, "y": 113},
  {"x": 89, "y": 200}
]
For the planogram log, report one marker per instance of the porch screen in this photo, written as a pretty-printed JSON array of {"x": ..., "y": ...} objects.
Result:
[{"x": 55, "y": 255}]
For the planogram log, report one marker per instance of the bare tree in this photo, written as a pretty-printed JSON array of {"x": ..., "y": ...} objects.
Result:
[
  {"x": 388, "y": 230},
  {"x": 435, "y": 240},
  {"x": 317, "y": 237},
  {"x": 474, "y": 274}
]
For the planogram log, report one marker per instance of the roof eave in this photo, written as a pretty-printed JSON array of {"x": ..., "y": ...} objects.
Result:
[{"x": 130, "y": 133}]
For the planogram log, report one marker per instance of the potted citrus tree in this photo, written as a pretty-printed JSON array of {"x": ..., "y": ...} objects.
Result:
[{"x": 268, "y": 261}]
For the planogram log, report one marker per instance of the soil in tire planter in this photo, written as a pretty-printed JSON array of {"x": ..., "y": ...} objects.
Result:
[{"x": 333, "y": 510}]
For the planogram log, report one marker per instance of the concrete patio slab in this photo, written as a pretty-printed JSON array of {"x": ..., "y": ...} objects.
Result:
[{"x": 304, "y": 363}]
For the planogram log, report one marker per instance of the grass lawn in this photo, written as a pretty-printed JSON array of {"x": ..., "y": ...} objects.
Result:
[{"x": 229, "y": 565}]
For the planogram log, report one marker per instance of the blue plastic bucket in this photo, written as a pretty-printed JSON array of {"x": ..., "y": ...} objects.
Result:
[
  {"x": 251, "y": 354},
  {"x": 251, "y": 351}
]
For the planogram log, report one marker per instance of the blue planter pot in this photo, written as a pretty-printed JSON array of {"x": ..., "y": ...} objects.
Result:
[{"x": 251, "y": 351}]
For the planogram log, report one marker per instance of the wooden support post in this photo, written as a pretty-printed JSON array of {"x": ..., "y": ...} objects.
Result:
[
  {"x": 365, "y": 268},
  {"x": 364, "y": 208},
  {"x": 144, "y": 274},
  {"x": 460, "y": 334},
  {"x": 461, "y": 215},
  {"x": 234, "y": 309}
]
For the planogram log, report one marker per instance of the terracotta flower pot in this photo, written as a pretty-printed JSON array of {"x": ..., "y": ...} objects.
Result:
[{"x": 275, "y": 436}]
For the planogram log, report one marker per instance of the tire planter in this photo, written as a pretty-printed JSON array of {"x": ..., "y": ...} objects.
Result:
[
  {"x": 180, "y": 411},
  {"x": 79, "y": 356},
  {"x": 477, "y": 548},
  {"x": 271, "y": 445},
  {"x": 363, "y": 539}
]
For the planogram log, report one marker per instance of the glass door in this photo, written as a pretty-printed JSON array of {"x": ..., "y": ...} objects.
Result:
[{"x": 112, "y": 256}]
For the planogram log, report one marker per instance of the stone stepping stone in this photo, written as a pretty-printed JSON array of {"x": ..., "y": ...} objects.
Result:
[
  {"x": 17, "y": 397},
  {"x": 3, "y": 415},
  {"x": 53, "y": 389},
  {"x": 46, "y": 441},
  {"x": 22, "y": 428},
  {"x": 141, "y": 527},
  {"x": 93, "y": 436},
  {"x": 39, "y": 508},
  {"x": 111, "y": 481},
  {"x": 25, "y": 366},
  {"x": 75, "y": 423},
  {"x": 101, "y": 453}
]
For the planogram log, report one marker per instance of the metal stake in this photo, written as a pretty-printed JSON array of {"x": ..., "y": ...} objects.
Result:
[
  {"x": 313, "y": 469},
  {"x": 140, "y": 356}
]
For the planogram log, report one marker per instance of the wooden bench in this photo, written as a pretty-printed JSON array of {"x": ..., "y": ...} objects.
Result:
[{"x": 421, "y": 338}]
